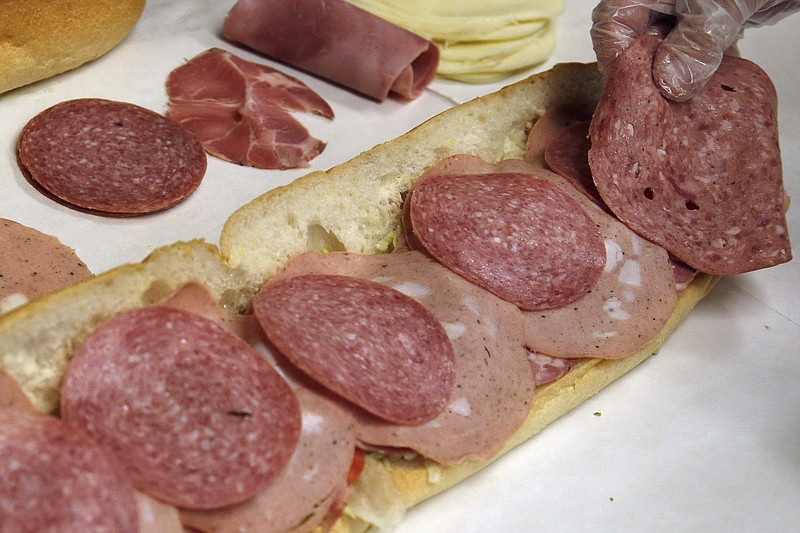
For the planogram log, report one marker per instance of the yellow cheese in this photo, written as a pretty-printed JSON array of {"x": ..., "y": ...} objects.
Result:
[{"x": 480, "y": 41}]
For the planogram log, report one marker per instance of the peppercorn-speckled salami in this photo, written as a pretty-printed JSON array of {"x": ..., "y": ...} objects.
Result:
[
  {"x": 494, "y": 383},
  {"x": 703, "y": 177},
  {"x": 112, "y": 158},
  {"x": 196, "y": 416},
  {"x": 54, "y": 478},
  {"x": 628, "y": 305},
  {"x": 368, "y": 343},
  {"x": 519, "y": 236}
]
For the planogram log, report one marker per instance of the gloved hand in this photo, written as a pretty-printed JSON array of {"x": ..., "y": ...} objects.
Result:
[{"x": 692, "y": 51}]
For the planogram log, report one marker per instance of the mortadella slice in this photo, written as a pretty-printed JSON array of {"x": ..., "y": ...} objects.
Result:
[
  {"x": 240, "y": 110},
  {"x": 494, "y": 383},
  {"x": 195, "y": 415},
  {"x": 702, "y": 178},
  {"x": 337, "y": 41}
]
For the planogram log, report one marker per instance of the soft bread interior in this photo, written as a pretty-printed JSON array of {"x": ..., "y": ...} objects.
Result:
[
  {"x": 42, "y": 38},
  {"x": 357, "y": 207}
]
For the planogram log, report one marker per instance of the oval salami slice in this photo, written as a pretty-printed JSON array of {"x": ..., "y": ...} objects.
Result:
[
  {"x": 701, "y": 178},
  {"x": 368, "y": 343},
  {"x": 516, "y": 235},
  {"x": 196, "y": 416},
  {"x": 54, "y": 478},
  {"x": 112, "y": 158},
  {"x": 494, "y": 384}
]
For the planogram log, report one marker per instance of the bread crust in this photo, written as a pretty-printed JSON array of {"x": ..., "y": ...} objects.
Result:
[
  {"x": 356, "y": 206},
  {"x": 42, "y": 38}
]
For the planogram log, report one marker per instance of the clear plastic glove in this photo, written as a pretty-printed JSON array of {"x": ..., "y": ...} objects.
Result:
[{"x": 704, "y": 31}]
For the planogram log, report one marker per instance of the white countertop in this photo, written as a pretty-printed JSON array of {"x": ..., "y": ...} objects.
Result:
[{"x": 705, "y": 436}]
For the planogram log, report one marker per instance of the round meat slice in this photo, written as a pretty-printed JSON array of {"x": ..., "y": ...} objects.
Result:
[
  {"x": 370, "y": 344},
  {"x": 198, "y": 418},
  {"x": 57, "y": 479},
  {"x": 112, "y": 158},
  {"x": 517, "y": 236},
  {"x": 701, "y": 178}
]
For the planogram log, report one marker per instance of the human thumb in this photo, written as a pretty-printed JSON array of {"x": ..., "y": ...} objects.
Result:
[{"x": 692, "y": 51}]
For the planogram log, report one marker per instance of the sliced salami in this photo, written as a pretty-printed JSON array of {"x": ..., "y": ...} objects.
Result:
[
  {"x": 111, "y": 158},
  {"x": 702, "y": 178},
  {"x": 370, "y": 344},
  {"x": 494, "y": 384},
  {"x": 514, "y": 234},
  {"x": 313, "y": 482},
  {"x": 196, "y": 416},
  {"x": 56, "y": 479},
  {"x": 11, "y": 394}
]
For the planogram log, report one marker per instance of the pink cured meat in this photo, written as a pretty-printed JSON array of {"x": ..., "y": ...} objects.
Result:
[
  {"x": 339, "y": 42},
  {"x": 547, "y": 369},
  {"x": 56, "y": 479},
  {"x": 494, "y": 384},
  {"x": 628, "y": 305},
  {"x": 240, "y": 110},
  {"x": 196, "y": 416},
  {"x": 311, "y": 484},
  {"x": 112, "y": 158},
  {"x": 315, "y": 479},
  {"x": 701, "y": 178},
  {"x": 370, "y": 344},
  {"x": 517, "y": 235}
]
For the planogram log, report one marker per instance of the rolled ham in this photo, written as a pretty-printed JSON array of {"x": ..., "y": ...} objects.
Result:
[{"x": 337, "y": 41}]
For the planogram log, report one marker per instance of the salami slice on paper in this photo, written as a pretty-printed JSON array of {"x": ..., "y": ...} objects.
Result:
[
  {"x": 368, "y": 343},
  {"x": 55, "y": 478},
  {"x": 34, "y": 264},
  {"x": 196, "y": 416},
  {"x": 701, "y": 178},
  {"x": 516, "y": 235},
  {"x": 109, "y": 157}
]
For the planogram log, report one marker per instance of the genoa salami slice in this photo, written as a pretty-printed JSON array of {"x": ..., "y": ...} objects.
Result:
[
  {"x": 196, "y": 416},
  {"x": 370, "y": 344},
  {"x": 112, "y": 158},
  {"x": 516, "y": 235},
  {"x": 55, "y": 478},
  {"x": 701, "y": 178},
  {"x": 494, "y": 384}
]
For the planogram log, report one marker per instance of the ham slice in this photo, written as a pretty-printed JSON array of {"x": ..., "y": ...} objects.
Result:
[
  {"x": 494, "y": 381},
  {"x": 337, "y": 41},
  {"x": 240, "y": 110}
]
